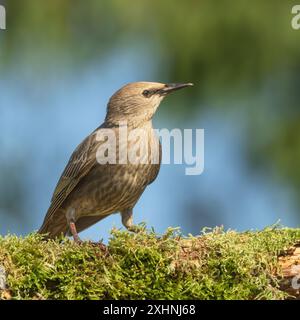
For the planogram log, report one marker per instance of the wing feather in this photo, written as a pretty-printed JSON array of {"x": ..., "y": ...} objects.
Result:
[{"x": 81, "y": 162}]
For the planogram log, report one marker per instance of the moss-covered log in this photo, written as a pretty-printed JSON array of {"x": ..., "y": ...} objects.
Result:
[{"x": 216, "y": 265}]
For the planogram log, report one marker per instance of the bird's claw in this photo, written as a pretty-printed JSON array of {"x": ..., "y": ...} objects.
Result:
[{"x": 135, "y": 229}]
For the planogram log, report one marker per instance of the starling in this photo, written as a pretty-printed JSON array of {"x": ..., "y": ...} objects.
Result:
[{"x": 89, "y": 190}]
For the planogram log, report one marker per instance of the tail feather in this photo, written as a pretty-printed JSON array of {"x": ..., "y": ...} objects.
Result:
[
  {"x": 55, "y": 227},
  {"x": 58, "y": 225}
]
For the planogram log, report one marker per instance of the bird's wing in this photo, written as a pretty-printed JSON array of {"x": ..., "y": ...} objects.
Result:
[{"x": 80, "y": 163}]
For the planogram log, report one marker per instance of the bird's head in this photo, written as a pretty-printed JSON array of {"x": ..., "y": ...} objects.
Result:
[{"x": 138, "y": 101}]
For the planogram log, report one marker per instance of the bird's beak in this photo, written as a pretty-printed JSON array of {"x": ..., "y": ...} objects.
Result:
[{"x": 170, "y": 87}]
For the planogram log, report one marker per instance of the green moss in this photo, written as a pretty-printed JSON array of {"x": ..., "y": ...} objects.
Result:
[{"x": 215, "y": 265}]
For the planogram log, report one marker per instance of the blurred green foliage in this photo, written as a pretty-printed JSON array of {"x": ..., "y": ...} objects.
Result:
[
  {"x": 235, "y": 51},
  {"x": 216, "y": 44}
]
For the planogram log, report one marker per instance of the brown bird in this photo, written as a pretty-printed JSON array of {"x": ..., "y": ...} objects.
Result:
[{"x": 90, "y": 190}]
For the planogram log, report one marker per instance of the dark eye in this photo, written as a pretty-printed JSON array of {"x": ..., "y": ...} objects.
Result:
[{"x": 147, "y": 93}]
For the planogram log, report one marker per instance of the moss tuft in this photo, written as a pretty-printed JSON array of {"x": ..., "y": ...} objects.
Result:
[{"x": 215, "y": 265}]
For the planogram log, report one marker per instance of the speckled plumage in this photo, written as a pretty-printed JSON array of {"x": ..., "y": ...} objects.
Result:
[{"x": 91, "y": 191}]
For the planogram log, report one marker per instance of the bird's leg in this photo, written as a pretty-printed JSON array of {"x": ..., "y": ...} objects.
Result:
[
  {"x": 74, "y": 232},
  {"x": 70, "y": 215},
  {"x": 128, "y": 221}
]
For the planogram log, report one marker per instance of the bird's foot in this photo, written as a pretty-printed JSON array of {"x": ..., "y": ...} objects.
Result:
[
  {"x": 127, "y": 221},
  {"x": 134, "y": 228},
  {"x": 102, "y": 246},
  {"x": 77, "y": 240}
]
